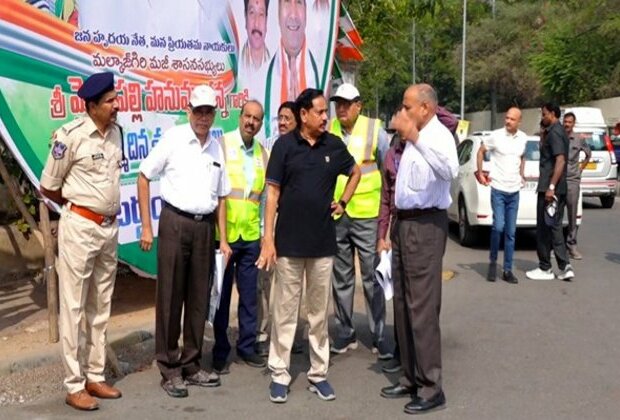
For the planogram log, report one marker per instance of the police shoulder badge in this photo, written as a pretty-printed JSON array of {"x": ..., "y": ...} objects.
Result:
[{"x": 58, "y": 150}]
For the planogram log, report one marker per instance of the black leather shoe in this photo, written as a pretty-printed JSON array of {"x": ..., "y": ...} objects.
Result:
[
  {"x": 420, "y": 405},
  {"x": 492, "y": 273},
  {"x": 397, "y": 391},
  {"x": 262, "y": 348},
  {"x": 220, "y": 367},
  {"x": 254, "y": 360},
  {"x": 508, "y": 277}
]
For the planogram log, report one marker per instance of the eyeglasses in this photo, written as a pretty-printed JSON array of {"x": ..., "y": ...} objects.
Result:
[{"x": 284, "y": 118}]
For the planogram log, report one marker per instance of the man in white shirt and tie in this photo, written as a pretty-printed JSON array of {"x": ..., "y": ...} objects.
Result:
[{"x": 422, "y": 195}]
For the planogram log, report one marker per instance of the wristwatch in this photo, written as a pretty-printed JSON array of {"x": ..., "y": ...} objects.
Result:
[
  {"x": 343, "y": 204},
  {"x": 552, "y": 187}
]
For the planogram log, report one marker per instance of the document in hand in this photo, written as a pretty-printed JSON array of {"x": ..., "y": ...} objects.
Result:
[
  {"x": 216, "y": 289},
  {"x": 383, "y": 273}
]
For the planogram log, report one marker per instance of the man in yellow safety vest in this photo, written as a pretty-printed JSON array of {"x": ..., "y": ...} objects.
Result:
[
  {"x": 246, "y": 163},
  {"x": 356, "y": 229}
]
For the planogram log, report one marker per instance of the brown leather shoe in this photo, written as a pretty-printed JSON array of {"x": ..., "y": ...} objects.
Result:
[
  {"x": 102, "y": 390},
  {"x": 82, "y": 400}
]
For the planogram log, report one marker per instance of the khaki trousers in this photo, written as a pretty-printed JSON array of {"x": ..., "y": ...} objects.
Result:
[
  {"x": 86, "y": 268},
  {"x": 286, "y": 295},
  {"x": 265, "y": 280}
]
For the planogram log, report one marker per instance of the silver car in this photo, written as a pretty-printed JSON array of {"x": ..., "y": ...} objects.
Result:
[{"x": 600, "y": 176}]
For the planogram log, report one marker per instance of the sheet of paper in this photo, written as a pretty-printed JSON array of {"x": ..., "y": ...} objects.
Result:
[
  {"x": 383, "y": 274},
  {"x": 216, "y": 289}
]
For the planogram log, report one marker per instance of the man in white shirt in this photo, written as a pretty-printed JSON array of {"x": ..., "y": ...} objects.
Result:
[
  {"x": 293, "y": 67},
  {"x": 507, "y": 148},
  {"x": 419, "y": 236},
  {"x": 193, "y": 184}
]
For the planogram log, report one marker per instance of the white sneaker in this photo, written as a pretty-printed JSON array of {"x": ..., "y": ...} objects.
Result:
[
  {"x": 567, "y": 274},
  {"x": 539, "y": 274}
]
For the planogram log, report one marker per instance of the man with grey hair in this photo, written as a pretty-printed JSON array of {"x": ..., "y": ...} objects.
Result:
[{"x": 422, "y": 195}]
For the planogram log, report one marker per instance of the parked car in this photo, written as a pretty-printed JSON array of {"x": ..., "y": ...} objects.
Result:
[
  {"x": 600, "y": 176},
  {"x": 615, "y": 142},
  {"x": 471, "y": 201}
]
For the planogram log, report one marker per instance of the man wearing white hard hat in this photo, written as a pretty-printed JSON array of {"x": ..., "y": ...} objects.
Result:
[
  {"x": 356, "y": 229},
  {"x": 193, "y": 185}
]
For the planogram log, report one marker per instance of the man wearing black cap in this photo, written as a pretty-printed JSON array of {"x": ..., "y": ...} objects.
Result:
[{"x": 82, "y": 174}]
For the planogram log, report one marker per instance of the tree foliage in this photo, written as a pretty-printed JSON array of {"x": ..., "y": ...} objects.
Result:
[{"x": 530, "y": 51}]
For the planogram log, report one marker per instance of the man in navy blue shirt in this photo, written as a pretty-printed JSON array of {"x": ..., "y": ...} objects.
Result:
[
  {"x": 551, "y": 188},
  {"x": 301, "y": 177}
]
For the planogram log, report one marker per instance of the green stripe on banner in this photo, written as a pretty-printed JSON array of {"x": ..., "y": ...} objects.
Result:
[
  {"x": 330, "y": 51},
  {"x": 133, "y": 255},
  {"x": 60, "y": 5},
  {"x": 25, "y": 69},
  {"x": 18, "y": 138}
]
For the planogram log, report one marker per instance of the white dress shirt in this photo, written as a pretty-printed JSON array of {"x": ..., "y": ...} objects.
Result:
[
  {"x": 426, "y": 169},
  {"x": 192, "y": 177}
]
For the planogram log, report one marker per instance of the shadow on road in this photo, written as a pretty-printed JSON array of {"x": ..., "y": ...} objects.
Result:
[
  {"x": 613, "y": 257},
  {"x": 525, "y": 238},
  {"x": 481, "y": 268},
  {"x": 20, "y": 299}
]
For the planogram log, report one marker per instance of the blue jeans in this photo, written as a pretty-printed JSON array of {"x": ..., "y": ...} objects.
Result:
[
  {"x": 505, "y": 207},
  {"x": 241, "y": 268}
]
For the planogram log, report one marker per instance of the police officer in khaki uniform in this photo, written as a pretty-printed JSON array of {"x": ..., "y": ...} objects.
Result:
[{"x": 82, "y": 174}]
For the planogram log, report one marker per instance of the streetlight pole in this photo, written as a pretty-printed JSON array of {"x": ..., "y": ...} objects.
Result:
[
  {"x": 463, "y": 59},
  {"x": 413, "y": 49}
]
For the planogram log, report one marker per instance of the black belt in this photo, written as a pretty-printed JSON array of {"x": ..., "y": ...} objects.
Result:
[
  {"x": 415, "y": 213},
  {"x": 196, "y": 217}
]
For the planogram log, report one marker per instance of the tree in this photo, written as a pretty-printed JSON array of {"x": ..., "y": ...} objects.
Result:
[{"x": 579, "y": 51}]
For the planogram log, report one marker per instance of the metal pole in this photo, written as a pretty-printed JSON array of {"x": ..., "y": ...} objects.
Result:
[
  {"x": 463, "y": 59},
  {"x": 413, "y": 48}
]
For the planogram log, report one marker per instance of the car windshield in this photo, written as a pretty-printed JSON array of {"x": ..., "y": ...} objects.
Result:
[
  {"x": 532, "y": 150},
  {"x": 596, "y": 140}
]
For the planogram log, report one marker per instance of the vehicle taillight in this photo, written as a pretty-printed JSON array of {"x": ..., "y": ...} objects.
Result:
[{"x": 610, "y": 149}]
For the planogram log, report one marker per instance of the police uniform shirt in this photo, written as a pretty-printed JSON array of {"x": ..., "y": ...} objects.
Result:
[
  {"x": 85, "y": 165},
  {"x": 192, "y": 177}
]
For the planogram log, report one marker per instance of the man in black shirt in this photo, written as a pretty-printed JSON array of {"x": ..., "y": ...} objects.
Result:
[
  {"x": 551, "y": 193},
  {"x": 301, "y": 177}
]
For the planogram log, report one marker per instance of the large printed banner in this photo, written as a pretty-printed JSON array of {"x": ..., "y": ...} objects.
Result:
[{"x": 158, "y": 50}]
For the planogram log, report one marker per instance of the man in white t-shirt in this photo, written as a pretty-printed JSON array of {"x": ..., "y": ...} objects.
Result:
[{"x": 507, "y": 147}]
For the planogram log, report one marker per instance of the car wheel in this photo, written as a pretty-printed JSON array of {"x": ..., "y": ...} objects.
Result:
[
  {"x": 607, "y": 201},
  {"x": 466, "y": 232}
]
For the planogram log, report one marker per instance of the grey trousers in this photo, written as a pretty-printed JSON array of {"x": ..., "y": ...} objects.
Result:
[
  {"x": 572, "y": 199},
  {"x": 418, "y": 246},
  {"x": 361, "y": 235}
]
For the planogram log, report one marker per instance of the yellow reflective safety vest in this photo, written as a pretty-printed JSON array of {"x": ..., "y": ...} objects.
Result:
[
  {"x": 362, "y": 145},
  {"x": 243, "y": 203}
]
